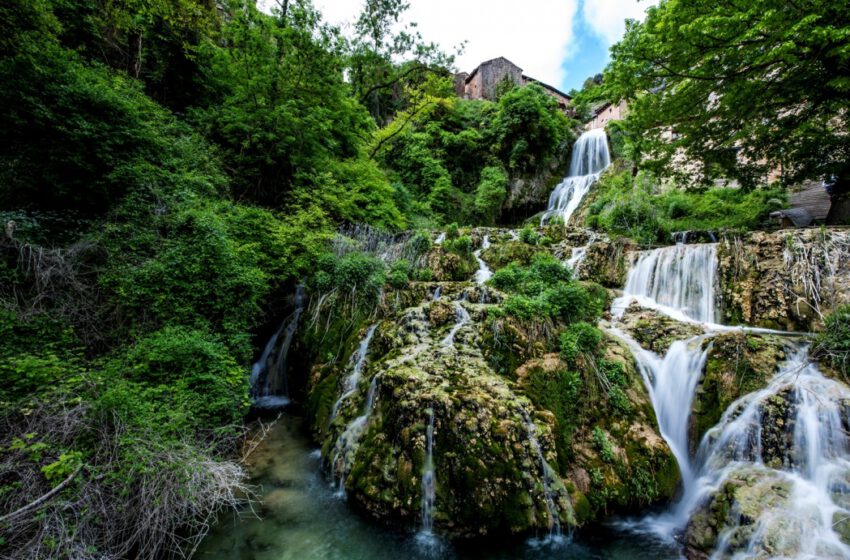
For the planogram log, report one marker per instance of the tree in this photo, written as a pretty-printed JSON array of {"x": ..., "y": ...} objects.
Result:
[
  {"x": 379, "y": 82},
  {"x": 747, "y": 87}
]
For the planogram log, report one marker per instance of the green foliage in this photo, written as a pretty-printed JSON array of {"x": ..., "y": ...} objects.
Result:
[
  {"x": 578, "y": 339},
  {"x": 603, "y": 445},
  {"x": 833, "y": 343},
  {"x": 640, "y": 208},
  {"x": 195, "y": 369},
  {"x": 64, "y": 466},
  {"x": 529, "y": 128},
  {"x": 456, "y": 153},
  {"x": 354, "y": 273},
  {"x": 461, "y": 245},
  {"x": 399, "y": 274},
  {"x": 490, "y": 194},
  {"x": 545, "y": 290},
  {"x": 746, "y": 86}
]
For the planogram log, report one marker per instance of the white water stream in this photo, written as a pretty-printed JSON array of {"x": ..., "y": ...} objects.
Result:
[
  {"x": 269, "y": 383},
  {"x": 483, "y": 273},
  {"x": 429, "y": 481},
  {"x": 804, "y": 470},
  {"x": 350, "y": 384},
  {"x": 589, "y": 159}
]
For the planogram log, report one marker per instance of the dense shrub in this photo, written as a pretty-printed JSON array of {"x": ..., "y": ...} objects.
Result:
[
  {"x": 640, "y": 208},
  {"x": 833, "y": 343}
]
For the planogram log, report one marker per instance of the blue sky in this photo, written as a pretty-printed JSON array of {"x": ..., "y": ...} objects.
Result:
[{"x": 560, "y": 42}]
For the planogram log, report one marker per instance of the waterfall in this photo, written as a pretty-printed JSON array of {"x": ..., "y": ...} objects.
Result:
[
  {"x": 350, "y": 384},
  {"x": 346, "y": 444},
  {"x": 483, "y": 273},
  {"x": 671, "y": 381},
  {"x": 679, "y": 280},
  {"x": 438, "y": 291},
  {"x": 547, "y": 476},
  {"x": 462, "y": 318},
  {"x": 578, "y": 254},
  {"x": 429, "y": 479},
  {"x": 269, "y": 383},
  {"x": 440, "y": 238},
  {"x": 589, "y": 159},
  {"x": 804, "y": 450}
]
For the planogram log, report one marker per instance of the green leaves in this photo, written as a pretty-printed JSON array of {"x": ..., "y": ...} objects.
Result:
[{"x": 747, "y": 87}]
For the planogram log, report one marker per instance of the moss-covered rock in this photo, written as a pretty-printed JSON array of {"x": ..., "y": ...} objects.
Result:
[
  {"x": 609, "y": 448},
  {"x": 786, "y": 279},
  {"x": 738, "y": 363},
  {"x": 654, "y": 331}
]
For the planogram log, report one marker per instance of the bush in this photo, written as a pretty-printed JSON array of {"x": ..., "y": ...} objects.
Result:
[
  {"x": 196, "y": 369},
  {"x": 638, "y": 207},
  {"x": 490, "y": 194},
  {"x": 399, "y": 274},
  {"x": 580, "y": 338},
  {"x": 833, "y": 343},
  {"x": 529, "y": 128}
]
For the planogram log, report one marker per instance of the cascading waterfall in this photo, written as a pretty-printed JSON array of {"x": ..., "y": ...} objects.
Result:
[
  {"x": 800, "y": 457},
  {"x": 438, "y": 292},
  {"x": 578, "y": 254},
  {"x": 679, "y": 281},
  {"x": 350, "y": 384},
  {"x": 269, "y": 383},
  {"x": 463, "y": 318},
  {"x": 429, "y": 480},
  {"x": 547, "y": 476},
  {"x": 671, "y": 381},
  {"x": 483, "y": 273},
  {"x": 804, "y": 455},
  {"x": 347, "y": 442},
  {"x": 589, "y": 159}
]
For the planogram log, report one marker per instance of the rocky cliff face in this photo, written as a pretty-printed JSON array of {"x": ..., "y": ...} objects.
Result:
[
  {"x": 521, "y": 439},
  {"x": 524, "y": 440},
  {"x": 786, "y": 279}
]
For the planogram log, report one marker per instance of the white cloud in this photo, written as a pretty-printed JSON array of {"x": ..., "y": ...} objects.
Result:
[
  {"x": 607, "y": 18},
  {"x": 536, "y": 34}
]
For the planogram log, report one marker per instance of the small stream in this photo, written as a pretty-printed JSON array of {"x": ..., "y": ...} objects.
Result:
[{"x": 302, "y": 517}]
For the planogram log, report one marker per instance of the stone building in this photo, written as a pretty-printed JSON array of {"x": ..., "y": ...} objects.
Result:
[
  {"x": 605, "y": 113},
  {"x": 483, "y": 82}
]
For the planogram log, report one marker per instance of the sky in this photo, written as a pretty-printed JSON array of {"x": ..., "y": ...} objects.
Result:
[{"x": 559, "y": 42}]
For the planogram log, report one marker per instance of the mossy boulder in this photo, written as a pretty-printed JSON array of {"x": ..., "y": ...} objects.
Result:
[
  {"x": 607, "y": 262},
  {"x": 609, "y": 448},
  {"x": 654, "y": 331},
  {"x": 447, "y": 266},
  {"x": 738, "y": 363},
  {"x": 487, "y": 469}
]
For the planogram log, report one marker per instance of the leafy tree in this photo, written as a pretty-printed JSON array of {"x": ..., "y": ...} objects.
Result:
[
  {"x": 529, "y": 128},
  {"x": 747, "y": 86},
  {"x": 490, "y": 193},
  {"x": 380, "y": 83}
]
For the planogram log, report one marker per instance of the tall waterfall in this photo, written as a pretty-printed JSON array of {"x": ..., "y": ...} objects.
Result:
[
  {"x": 590, "y": 158},
  {"x": 679, "y": 280},
  {"x": 350, "y": 384},
  {"x": 269, "y": 383},
  {"x": 429, "y": 479}
]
